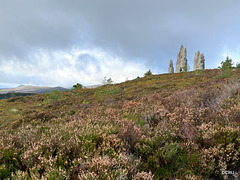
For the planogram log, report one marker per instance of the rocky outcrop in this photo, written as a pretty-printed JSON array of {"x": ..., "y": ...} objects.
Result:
[
  {"x": 199, "y": 61},
  {"x": 181, "y": 59},
  {"x": 170, "y": 68}
]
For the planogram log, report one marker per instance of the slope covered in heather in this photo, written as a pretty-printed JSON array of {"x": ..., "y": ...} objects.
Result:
[{"x": 183, "y": 125}]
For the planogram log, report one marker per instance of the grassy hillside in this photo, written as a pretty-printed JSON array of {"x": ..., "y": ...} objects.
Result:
[{"x": 183, "y": 125}]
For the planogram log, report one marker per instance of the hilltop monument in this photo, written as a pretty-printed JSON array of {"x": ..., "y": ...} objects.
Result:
[
  {"x": 181, "y": 59},
  {"x": 199, "y": 61},
  {"x": 170, "y": 68}
]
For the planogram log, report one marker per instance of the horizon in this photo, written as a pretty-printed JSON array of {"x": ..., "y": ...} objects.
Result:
[
  {"x": 16, "y": 86},
  {"x": 11, "y": 86},
  {"x": 85, "y": 41}
]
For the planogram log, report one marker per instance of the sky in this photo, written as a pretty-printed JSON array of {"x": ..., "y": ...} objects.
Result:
[{"x": 61, "y": 43}]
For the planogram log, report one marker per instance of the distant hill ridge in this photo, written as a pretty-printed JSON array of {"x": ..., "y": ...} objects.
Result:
[{"x": 31, "y": 89}]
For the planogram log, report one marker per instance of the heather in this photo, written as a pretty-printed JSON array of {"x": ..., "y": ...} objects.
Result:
[{"x": 183, "y": 125}]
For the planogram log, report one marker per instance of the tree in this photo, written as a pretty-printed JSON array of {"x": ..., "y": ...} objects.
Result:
[
  {"x": 13, "y": 94},
  {"x": 107, "y": 81},
  {"x": 226, "y": 67},
  {"x": 52, "y": 96},
  {"x": 238, "y": 65},
  {"x": 148, "y": 73},
  {"x": 227, "y": 64},
  {"x": 77, "y": 86},
  {"x": 186, "y": 68}
]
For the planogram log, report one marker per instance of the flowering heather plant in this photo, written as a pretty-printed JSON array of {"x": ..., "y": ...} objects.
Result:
[{"x": 160, "y": 127}]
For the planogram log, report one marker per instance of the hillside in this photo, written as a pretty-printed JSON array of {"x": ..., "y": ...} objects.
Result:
[
  {"x": 168, "y": 126},
  {"x": 30, "y": 89}
]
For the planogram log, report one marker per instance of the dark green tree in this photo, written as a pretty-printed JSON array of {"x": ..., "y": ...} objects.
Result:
[
  {"x": 226, "y": 67},
  {"x": 77, "y": 86},
  {"x": 13, "y": 94},
  {"x": 227, "y": 64},
  {"x": 238, "y": 65}
]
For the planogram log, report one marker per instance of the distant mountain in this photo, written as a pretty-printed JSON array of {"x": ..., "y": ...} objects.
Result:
[{"x": 31, "y": 89}]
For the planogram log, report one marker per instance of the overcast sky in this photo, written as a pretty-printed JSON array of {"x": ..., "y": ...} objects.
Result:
[{"x": 61, "y": 43}]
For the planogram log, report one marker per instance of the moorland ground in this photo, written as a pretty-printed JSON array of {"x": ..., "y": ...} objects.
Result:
[{"x": 181, "y": 125}]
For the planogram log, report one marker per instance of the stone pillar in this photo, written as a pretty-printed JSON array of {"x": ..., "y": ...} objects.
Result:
[
  {"x": 171, "y": 68},
  {"x": 181, "y": 59},
  {"x": 199, "y": 61}
]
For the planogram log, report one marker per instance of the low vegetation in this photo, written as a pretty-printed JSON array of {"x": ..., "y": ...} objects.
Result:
[
  {"x": 169, "y": 126},
  {"x": 148, "y": 73},
  {"x": 226, "y": 67},
  {"x": 77, "y": 86},
  {"x": 13, "y": 94}
]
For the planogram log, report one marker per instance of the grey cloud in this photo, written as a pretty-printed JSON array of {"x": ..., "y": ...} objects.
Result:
[
  {"x": 150, "y": 31},
  {"x": 29, "y": 25}
]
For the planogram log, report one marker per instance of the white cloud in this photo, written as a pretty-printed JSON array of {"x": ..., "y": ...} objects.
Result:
[{"x": 85, "y": 66}]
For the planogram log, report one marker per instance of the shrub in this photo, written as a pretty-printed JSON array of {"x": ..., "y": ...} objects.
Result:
[
  {"x": 13, "y": 94},
  {"x": 226, "y": 67},
  {"x": 171, "y": 151},
  {"x": 238, "y": 65},
  {"x": 229, "y": 91},
  {"x": 4, "y": 173},
  {"x": 52, "y": 96},
  {"x": 227, "y": 64},
  {"x": 72, "y": 112},
  {"x": 129, "y": 133},
  {"x": 85, "y": 102},
  {"x": 198, "y": 72},
  {"x": 77, "y": 86},
  {"x": 11, "y": 163},
  {"x": 166, "y": 158},
  {"x": 186, "y": 68},
  {"x": 148, "y": 73},
  {"x": 105, "y": 91}
]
